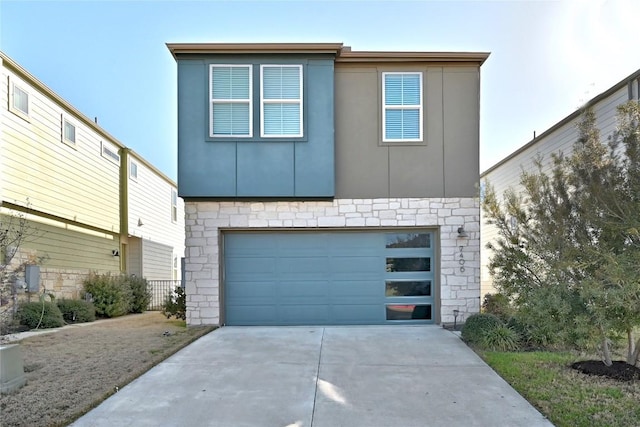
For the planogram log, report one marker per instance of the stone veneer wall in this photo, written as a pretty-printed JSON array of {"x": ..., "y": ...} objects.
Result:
[
  {"x": 459, "y": 288},
  {"x": 61, "y": 283}
]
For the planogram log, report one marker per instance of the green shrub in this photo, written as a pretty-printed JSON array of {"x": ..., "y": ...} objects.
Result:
[
  {"x": 31, "y": 315},
  {"x": 501, "y": 338},
  {"x": 498, "y": 305},
  {"x": 539, "y": 335},
  {"x": 477, "y": 326},
  {"x": 175, "y": 304},
  {"x": 140, "y": 294},
  {"x": 77, "y": 310},
  {"x": 111, "y": 295}
]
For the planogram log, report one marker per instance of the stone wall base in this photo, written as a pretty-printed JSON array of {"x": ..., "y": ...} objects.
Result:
[{"x": 459, "y": 263}]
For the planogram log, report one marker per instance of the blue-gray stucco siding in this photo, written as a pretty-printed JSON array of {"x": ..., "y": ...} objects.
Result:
[{"x": 256, "y": 167}]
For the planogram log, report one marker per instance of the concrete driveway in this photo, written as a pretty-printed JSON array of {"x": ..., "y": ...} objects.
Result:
[{"x": 322, "y": 377}]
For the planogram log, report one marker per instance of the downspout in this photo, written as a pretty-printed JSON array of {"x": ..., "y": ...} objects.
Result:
[{"x": 124, "y": 207}]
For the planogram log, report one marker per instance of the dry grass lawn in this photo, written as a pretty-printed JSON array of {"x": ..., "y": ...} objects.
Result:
[{"x": 72, "y": 370}]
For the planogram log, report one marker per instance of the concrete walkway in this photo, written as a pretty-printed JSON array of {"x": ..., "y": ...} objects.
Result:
[{"x": 369, "y": 376}]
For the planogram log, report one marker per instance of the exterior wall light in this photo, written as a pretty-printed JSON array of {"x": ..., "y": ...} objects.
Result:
[{"x": 462, "y": 232}]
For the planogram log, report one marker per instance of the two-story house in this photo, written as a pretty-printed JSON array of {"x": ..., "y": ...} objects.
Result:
[
  {"x": 328, "y": 186},
  {"x": 91, "y": 203},
  {"x": 560, "y": 137}
]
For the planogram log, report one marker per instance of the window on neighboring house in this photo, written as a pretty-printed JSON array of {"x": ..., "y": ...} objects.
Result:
[
  {"x": 174, "y": 205},
  {"x": 402, "y": 107},
  {"x": 133, "y": 170},
  {"x": 110, "y": 153},
  {"x": 230, "y": 96},
  {"x": 68, "y": 131},
  {"x": 20, "y": 103},
  {"x": 281, "y": 100},
  {"x": 175, "y": 267}
]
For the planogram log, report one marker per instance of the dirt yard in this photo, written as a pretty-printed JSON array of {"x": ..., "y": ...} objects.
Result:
[{"x": 72, "y": 370}]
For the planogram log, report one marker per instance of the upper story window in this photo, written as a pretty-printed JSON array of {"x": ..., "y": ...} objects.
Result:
[
  {"x": 133, "y": 170},
  {"x": 110, "y": 153},
  {"x": 231, "y": 111},
  {"x": 68, "y": 131},
  {"x": 19, "y": 102},
  {"x": 402, "y": 107},
  {"x": 281, "y": 100},
  {"x": 174, "y": 205}
]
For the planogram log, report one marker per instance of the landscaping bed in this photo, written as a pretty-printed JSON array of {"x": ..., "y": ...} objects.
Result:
[
  {"x": 73, "y": 369},
  {"x": 619, "y": 370}
]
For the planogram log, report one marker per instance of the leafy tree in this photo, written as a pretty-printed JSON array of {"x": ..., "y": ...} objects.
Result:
[{"x": 569, "y": 242}]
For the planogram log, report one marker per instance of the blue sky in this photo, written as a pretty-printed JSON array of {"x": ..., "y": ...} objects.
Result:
[{"x": 110, "y": 61}]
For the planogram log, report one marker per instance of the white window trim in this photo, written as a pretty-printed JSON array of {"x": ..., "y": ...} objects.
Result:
[
  {"x": 131, "y": 176},
  {"x": 106, "y": 146},
  {"x": 66, "y": 119},
  {"x": 402, "y": 107},
  {"x": 174, "y": 267},
  {"x": 281, "y": 101},
  {"x": 174, "y": 207},
  {"x": 18, "y": 112},
  {"x": 239, "y": 101}
]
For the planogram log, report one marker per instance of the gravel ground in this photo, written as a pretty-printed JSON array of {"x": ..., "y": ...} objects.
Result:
[{"x": 72, "y": 370}]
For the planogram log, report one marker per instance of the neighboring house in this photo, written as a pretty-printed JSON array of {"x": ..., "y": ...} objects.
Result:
[
  {"x": 559, "y": 138},
  {"x": 155, "y": 228},
  {"x": 71, "y": 180},
  {"x": 328, "y": 186}
]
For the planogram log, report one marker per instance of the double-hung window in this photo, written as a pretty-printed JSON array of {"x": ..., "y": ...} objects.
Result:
[
  {"x": 68, "y": 131},
  {"x": 174, "y": 205},
  {"x": 402, "y": 107},
  {"x": 231, "y": 112},
  {"x": 281, "y": 101},
  {"x": 133, "y": 170},
  {"x": 20, "y": 102}
]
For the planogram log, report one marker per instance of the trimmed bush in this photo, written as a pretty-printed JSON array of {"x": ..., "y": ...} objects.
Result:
[
  {"x": 31, "y": 315},
  {"x": 77, "y": 310},
  {"x": 501, "y": 338},
  {"x": 176, "y": 304},
  {"x": 111, "y": 295},
  {"x": 477, "y": 326},
  {"x": 498, "y": 305},
  {"x": 140, "y": 294}
]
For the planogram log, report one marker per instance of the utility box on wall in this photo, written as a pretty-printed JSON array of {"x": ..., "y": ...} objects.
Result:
[{"x": 32, "y": 277}]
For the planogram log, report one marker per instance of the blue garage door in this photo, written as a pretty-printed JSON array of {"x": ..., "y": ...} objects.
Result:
[{"x": 335, "y": 278}]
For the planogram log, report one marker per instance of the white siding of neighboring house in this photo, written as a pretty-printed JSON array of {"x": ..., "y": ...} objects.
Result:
[
  {"x": 156, "y": 260},
  {"x": 150, "y": 203},
  {"x": 562, "y": 139},
  {"x": 72, "y": 182}
]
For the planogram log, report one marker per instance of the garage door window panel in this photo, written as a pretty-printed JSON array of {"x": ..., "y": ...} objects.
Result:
[
  {"x": 409, "y": 312},
  {"x": 413, "y": 288},
  {"x": 408, "y": 240},
  {"x": 408, "y": 264}
]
